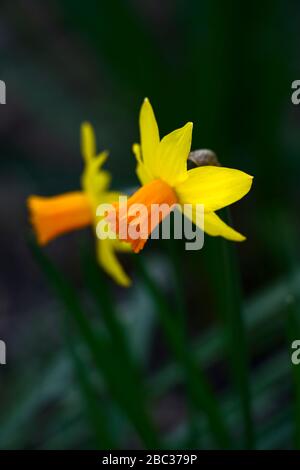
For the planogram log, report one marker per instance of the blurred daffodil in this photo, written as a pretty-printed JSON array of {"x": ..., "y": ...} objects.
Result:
[
  {"x": 54, "y": 216},
  {"x": 162, "y": 170}
]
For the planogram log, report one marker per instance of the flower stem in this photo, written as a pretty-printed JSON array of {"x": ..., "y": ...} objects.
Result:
[
  {"x": 199, "y": 389},
  {"x": 293, "y": 332},
  {"x": 230, "y": 307},
  {"x": 105, "y": 357},
  {"x": 193, "y": 438}
]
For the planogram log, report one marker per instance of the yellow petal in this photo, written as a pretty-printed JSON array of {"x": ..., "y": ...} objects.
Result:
[
  {"x": 109, "y": 197},
  {"x": 122, "y": 247},
  {"x": 215, "y": 226},
  {"x": 109, "y": 262},
  {"x": 94, "y": 180},
  {"x": 142, "y": 173},
  {"x": 149, "y": 134},
  {"x": 215, "y": 187},
  {"x": 88, "y": 141},
  {"x": 172, "y": 154},
  {"x": 136, "y": 148}
]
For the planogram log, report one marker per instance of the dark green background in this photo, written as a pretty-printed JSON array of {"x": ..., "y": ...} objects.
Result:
[{"x": 226, "y": 66}]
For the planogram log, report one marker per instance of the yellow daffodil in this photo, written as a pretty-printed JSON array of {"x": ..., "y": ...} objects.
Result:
[
  {"x": 54, "y": 216},
  {"x": 162, "y": 170}
]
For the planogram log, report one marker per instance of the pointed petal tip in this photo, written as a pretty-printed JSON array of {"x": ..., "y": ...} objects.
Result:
[
  {"x": 146, "y": 102},
  {"x": 242, "y": 238},
  {"x": 189, "y": 126},
  {"x": 250, "y": 179}
]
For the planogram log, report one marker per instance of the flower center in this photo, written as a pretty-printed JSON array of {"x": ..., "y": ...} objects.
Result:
[
  {"x": 53, "y": 216},
  {"x": 136, "y": 219}
]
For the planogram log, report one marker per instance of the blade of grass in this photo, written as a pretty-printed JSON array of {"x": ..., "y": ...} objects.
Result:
[
  {"x": 289, "y": 250},
  {"x": 32, "y": 393},
  {"x": 96, "y": 414},
  {"x": 176, "y": 261},
  {"x": 270, "y": 384},
  {"x": 99, "y": 288},
  {"x": 199, "y": 388},
  {"x": 229, "y": 300},
  {"x": 101, "y": 293},
  {"x": 293, "y": 332},
  {"x": 102, "y": 352}
]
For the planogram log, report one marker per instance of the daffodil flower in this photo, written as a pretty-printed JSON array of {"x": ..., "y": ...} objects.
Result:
[
  {"x": 54, "y": 216},
  {"x": 162, "y": 170}
]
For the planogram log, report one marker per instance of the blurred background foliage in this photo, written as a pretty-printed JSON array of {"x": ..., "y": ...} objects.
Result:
[{"x": 185, "y": 358}]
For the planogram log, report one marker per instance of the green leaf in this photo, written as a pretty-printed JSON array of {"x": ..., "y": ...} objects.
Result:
[
  {"x": 198, "y": 387},
  {"x": 103, "y": 353}
]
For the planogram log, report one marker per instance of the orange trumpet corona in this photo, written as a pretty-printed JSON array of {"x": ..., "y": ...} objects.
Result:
[
  {"x": 53, "y": 216},
  {"x": 143, "y": 211}
]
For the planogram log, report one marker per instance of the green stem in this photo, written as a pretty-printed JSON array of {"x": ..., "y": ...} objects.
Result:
[
  {"x": 176, "y": 260},
  {"x": 230, "y": 307},
  {"x": 103, "y": 353},
  {"x": 289, "y": 247},
  {"x": 101, "y": 293},
  {"x": 96, "y": 413},
  {"x": 293, "y": 332},
  {"x": 199, "y": 389}
]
